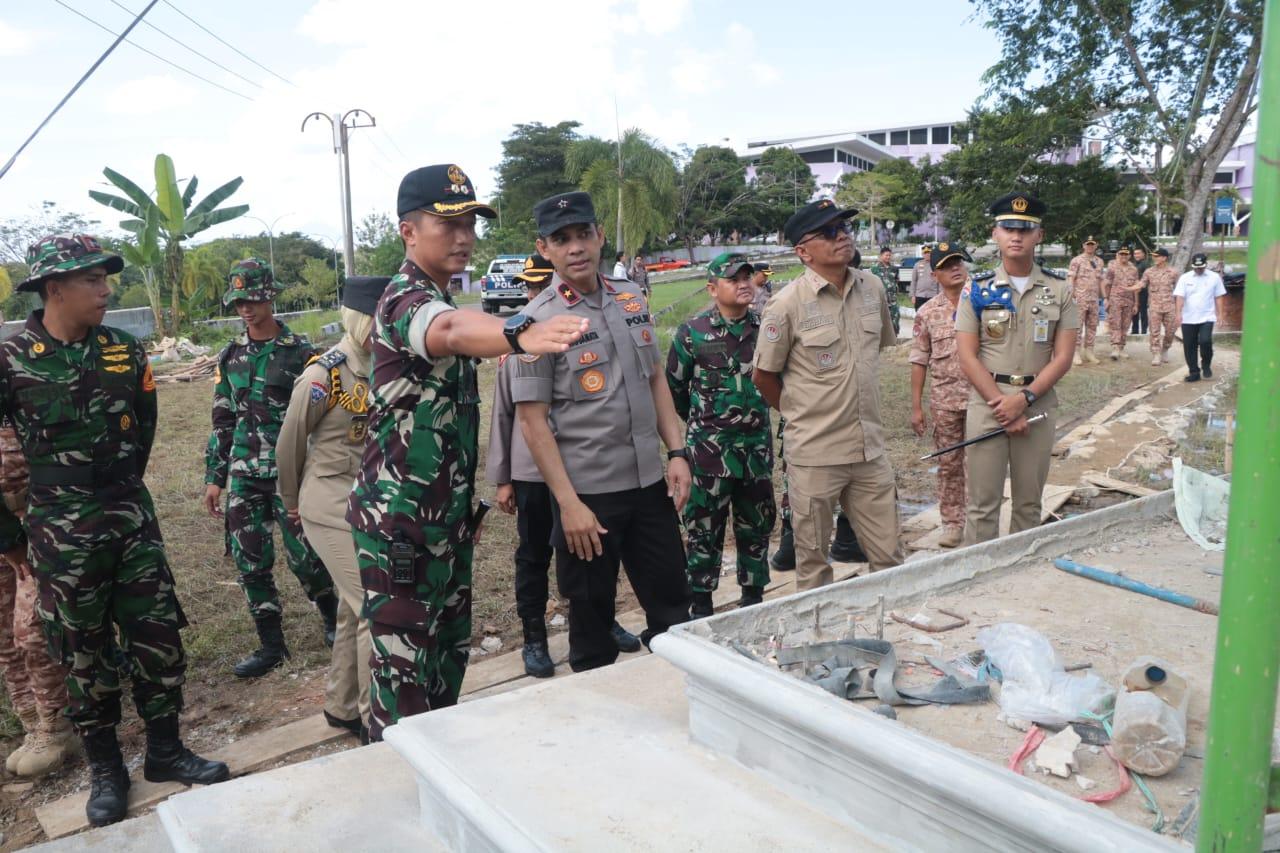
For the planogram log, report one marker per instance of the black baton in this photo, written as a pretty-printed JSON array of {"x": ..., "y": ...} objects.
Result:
[{"x": 977, "y": 438}]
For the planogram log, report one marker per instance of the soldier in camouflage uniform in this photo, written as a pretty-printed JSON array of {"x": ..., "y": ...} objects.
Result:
[
  {"x": 730, "y": 446},
  {"x": 83, "y": 402},
  {"x": 411, "y": 507},
  {"x": 254, "y": 381},
  {"x": 1159, "y": 281},
  {"x": 1120, "y": 288},
  {"x": 1084, "y": 274},
  {"x": 35, "y": 682},
  {"x": 933, "y": 351},
  {"x": 885, "y": 270}
]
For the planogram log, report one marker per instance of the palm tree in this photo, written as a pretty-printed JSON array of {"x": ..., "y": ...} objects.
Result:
[
  {"x": 174, "y": 218},
  {"x": 632, "y": 182}
]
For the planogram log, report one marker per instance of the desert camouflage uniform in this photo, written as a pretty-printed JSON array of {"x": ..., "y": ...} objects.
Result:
[
  {"x": 889, "y": 275},
  {"x": 933, "y": 346},
  {"x": 410, "y": 510},
  {"x": 1121, "y": 304},
  {"x": 85, "y": 414},
  {"x": 1085, "y": 273},
  {"x": 1161, "y": 306},
  {"x": 35, "y": 682},
  {"x": 730, "y": 447},
  {"x": 250, "y": 397}
]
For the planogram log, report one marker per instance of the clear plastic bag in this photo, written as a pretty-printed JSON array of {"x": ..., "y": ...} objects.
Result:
[{"x": 1035, "y": 687}]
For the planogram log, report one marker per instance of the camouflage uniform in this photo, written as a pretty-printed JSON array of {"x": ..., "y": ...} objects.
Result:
[
  {"x": 1161, "y": 306},
  {"x": 35, "y": 682},
  {"x": 933, "y": 346},
  {"x": 1085, "y": 273},
  {"x": 85, "y": 414},
  {"x": 252, "y": 387},
  {"x": 410, "y": 509},
  {"x": 730, "y": 446},
  {"x": 1121, "y": 304},
  {"x": 889, "y": 275}
]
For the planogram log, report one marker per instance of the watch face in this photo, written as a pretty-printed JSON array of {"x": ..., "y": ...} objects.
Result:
[{"x": 516, "y": 321}]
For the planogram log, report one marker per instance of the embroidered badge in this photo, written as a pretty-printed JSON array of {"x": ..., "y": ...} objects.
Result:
[
  {"x": 118, "y": 368},
  {"x": 826, "y": 360},
  {"x": 592, "y": 381},
  {"x": 588, "y": 357},
  {"x": 125, "y": 422},
  {"x": 633, "y": 307},
  {"x": 646, "y": 336},
  {"x": 148, "y": 380},
  {"x": 319, "y": 392},
  {"x": 358, "y": 429},
  {"x": 771, "y": 332},
  {"x": 624, "y": 297},
  {"x": 102, "y": 339},
  {"x": 529, "y": 358},
  {"x": 37, "y": 348}
]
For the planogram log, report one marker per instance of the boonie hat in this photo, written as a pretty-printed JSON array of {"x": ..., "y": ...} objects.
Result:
[
  {"x": 62, "y": 253},
  {"x": 251, "y": 280},
  {"x": 442, "y": 190}
]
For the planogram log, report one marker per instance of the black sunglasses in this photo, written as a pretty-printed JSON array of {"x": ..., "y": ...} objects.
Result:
[{"x": 830, "y": 231}]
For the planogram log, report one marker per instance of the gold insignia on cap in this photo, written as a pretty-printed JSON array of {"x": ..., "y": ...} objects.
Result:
[
  {"x": 944, "y": 247},
  {"x": 37, "y": 347},
  {"x": 1019, "y": 205},
  {"x": 824, "y": 203},
  {"x": 237, "y": 282},
  {"x": 456, "y": 175}
]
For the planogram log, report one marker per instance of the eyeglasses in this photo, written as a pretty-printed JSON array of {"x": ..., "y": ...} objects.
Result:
[{"x": 830, "y": 231}]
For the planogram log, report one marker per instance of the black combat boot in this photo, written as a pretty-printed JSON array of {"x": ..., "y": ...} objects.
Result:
[
  {"x": 702, "y": 605},
  {"x": 108, "y": 778},
  {"x": 784, "y": 559},
  {"x": 272, "y": 653},
  {"x": 845, "y": 548},
  {"x": 169, "y": 761},
  {"x": 327, "y": 604},
  {"x": 536, "y": 655},
  {"x": 624, "y": 639},
  {"x": 751, "y": 595}
]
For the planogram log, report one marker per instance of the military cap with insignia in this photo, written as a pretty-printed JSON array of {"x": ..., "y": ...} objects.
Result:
[
  {"x": 813, "y": 216},
  {"x": 1199, "y": 260},
  {"x": 728, "y": 264},
  {"x": 442, "y": 190},
  {"x": 251, "y": 280},
  {"x": 537, "y": 270},
  {"x": 563, "y": 210},
  {"x": 1123, "y": 250},
  {"x": 362, "y": 292},
  {"x": 1090, "y": 241},
  {"x": 764, "y": 267},
  {"x": 63, "y": 253},
  {"x": 945, "y": 252},
  {"x": 1162, "y": 252},
  {"x": 1018, "y": 211}
]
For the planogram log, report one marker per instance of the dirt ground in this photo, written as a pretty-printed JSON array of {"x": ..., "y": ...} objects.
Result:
[{"x": 221, "y": 708}]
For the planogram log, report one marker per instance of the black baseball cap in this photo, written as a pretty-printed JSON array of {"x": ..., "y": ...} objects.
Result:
[
  {"x": 1018, "y": 211},
  {"x": 813, "y": 216},
  {"x": 362, "y": 292},
  {"x": 1162, "y": 252},
  {"x": 944, "y": 252},
  {"x": 560, "y": 211},
  {"x": 441, "y": 190},
  {"x": 1199, "y": 259}
]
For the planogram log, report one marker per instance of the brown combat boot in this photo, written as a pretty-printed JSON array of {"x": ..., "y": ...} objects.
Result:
[
  {"x": 30, "y": 723},
  {"x": 54, "y": 741},
  {"x": 1090, "y": 357},
  {"x": 951, "y": 537}
]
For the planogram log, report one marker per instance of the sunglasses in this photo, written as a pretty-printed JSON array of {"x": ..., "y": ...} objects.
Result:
[{"x": 830, "y": 231}]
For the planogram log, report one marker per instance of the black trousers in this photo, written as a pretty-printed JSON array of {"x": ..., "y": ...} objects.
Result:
[
  {"x": 1140, "y": 316},
  {"x": 1197, "y": 340},
  {"x": 534, "y": 521},
  {"x": 644, "y": 536}
]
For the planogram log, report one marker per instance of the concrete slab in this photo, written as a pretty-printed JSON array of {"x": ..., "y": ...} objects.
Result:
[
  {"x": 360, "y": 799},
  {"x": 600, "y": 761},
  {"x": 137, "y": 835}
]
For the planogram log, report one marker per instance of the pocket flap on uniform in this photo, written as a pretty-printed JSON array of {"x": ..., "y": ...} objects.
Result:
[
  {"x": 822, "y": 336},
  {"x": 643, "y": 335}
]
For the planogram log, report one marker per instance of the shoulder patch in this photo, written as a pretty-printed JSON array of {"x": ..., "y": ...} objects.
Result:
[
  {"x": 319, "y": 393},
  {"x": 328, "y": 360}
]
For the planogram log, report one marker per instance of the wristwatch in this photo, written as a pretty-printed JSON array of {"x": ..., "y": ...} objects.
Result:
[
  {"x": 1029, "y": 395},
  {"x": 513, "y": 328},
  {"x": 679, "y": 453}
]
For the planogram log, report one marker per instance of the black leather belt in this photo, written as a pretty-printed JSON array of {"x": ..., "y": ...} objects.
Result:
[
  {"x": 1016, "y": 381},
  {"x": 116, "y": 473}
]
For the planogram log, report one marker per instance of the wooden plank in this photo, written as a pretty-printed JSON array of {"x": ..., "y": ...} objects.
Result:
[
  {"x": 65, "y": 816},
  {"x": 1102, "y": 481}
]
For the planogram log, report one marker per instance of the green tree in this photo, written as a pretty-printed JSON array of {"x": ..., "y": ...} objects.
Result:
[
  {"x": 911, "y": 202},
  {"x": 875, "y": 195},
  {"x": 17, "y": 234},
  {"x": 783, "y": 182},
  {"x": 204, "y": 278},
  {"x": 633, "y": 186},
  {"x": 533, "y": 164},
  {"x": 176, "y": 216},
  {"x": 379, "y": 250},
  {"x": 713, "y": 195},
  {"x": 1171, "y": 84}
]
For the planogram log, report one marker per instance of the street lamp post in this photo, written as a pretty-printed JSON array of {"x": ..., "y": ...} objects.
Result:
[
  {"x": 271, "y": 237},
  {"x": 337, "y": 281}
]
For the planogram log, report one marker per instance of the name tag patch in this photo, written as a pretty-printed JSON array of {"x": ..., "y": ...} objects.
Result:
[{"x": 1041, "y": 332}]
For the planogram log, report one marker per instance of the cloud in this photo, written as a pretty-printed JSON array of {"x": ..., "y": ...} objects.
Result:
[
  {"x": 148, "y": 95},
  {"x": 695, "y": 74},
  {"x": 17, "y": 42}
]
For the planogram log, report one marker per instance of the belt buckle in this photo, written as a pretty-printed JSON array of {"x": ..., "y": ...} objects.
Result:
[{"x": 1017, "y": 381}]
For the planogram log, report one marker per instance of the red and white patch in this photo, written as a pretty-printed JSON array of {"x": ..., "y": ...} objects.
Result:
[
  {"x": 772, "y": 332},
  {"x": 826, "y": 360}
]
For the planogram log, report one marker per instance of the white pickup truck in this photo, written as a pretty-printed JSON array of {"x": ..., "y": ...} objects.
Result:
[{"x": 497, "y": 288}]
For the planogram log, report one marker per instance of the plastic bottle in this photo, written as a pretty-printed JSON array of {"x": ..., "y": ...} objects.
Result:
[{"x": 1149, "y": 731}]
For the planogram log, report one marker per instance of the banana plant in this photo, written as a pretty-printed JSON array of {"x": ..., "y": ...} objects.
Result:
[
  {"x": 147, "y": 257},
  {"x": 177, "y": 218}
]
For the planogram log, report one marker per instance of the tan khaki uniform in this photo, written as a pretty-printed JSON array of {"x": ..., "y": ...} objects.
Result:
[
  {"x": 826, "y": 346},
  {"x": 933, "y": 347},
  {"x": 1122, "y": 304},
  {"x": 318, "y": 454},
  {"x": 1161, "y": 306},
  {"x": 1015, "y": 343},
  {"x": 1085, "y": 275}
]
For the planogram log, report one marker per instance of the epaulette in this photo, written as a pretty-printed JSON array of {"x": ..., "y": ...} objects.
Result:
[
  {"x": 1052, "y": 273},
  {"x": 985, "y": 275},
  {"x": 328, "y": 360}
]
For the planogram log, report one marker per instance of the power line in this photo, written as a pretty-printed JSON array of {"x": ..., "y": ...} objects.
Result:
[
  {"x": 92, "y": 68},
  {"x": 225, "y": 42},
  {"x": 152, "y": 53},
  {"x": 189, "y": 47}
]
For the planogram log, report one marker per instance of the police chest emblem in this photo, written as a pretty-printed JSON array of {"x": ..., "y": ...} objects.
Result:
[
  {"x": 646, "y": 336},
  {"x": 826, "y": 360},
  {"x": 588, "y": 357},
  {"x": 592, "y": 381},
  {"x": 358, "y": 429},
  {"x": 633, "y": 307}
]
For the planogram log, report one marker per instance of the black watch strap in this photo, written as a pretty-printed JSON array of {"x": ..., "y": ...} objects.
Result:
[
  {"x": 1029, "y": 395},
  {"x": 679, "y": 453}
]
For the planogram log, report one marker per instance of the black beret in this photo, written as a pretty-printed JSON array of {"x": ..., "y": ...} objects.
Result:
[
  {"x": 443, "y": 190},
  {"x": 362, "y": 292},
  {"x": 813, "y": 216},
  {"x": 560, "y": 211}
]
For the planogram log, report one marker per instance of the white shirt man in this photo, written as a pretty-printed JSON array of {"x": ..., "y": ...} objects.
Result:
[{"x": 1199, "y": 296}]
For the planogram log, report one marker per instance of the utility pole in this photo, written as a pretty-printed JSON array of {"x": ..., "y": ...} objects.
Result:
[
  {"x": 342, "y": 125},
  {"x": 271, "y": 237},
  {"x": 618, "y": 128}
]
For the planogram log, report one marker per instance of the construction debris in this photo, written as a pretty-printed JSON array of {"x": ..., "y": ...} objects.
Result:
[
  {"x": 202, "y": 368},
  {"x": 1057, "y": 755}
]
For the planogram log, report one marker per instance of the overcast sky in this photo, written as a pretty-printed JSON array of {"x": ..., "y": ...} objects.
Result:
[{"x": 445, "y": 82}]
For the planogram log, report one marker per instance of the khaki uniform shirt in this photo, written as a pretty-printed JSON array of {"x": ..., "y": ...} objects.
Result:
[
  {"x": 923, "y": 284},
  {"x": 933, "y": 346},
  {"x": 1160, "y": 282},
  {"x": 602, "y": 410},
  {"x": 1019, "y": 342},
  {"x": 1118, "y": 277},
  {"x": 322, "y": 438},
  {"x": 826, "y": 347},
  {"x": 1085, "y": 275},
  {"x": 509, "y": 458}
]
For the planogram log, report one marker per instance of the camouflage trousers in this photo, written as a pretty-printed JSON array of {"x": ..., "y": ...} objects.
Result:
[
  {"x": 707, "y": 514},
  {"x": 948, "y": 429},
  {"x": 104, "y": 603},
  {"x": 1120, "y": 311},
  {"x": 1160, "y": 327},
  {"x": 253, "y": 509},
  {"x": 35, "y": 682},
  {"x": 1088, "y": 308},
  {"x": 420, "y": 632}
]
